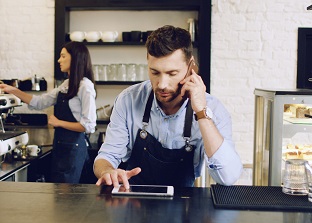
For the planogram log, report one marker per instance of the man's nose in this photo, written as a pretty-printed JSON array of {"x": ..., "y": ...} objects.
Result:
[{"x": 163, "y": 81}]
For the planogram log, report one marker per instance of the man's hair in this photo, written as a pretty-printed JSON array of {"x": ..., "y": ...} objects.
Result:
[
  {"x": 80, "y": 66},
  {"x": 167, "y": 39}
]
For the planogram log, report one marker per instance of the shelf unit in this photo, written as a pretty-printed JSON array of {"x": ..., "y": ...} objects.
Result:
[
  {"x": 203, "y": 7},
  {"x": 100, "y": 43},
  {"x": 117, "y": 82}
]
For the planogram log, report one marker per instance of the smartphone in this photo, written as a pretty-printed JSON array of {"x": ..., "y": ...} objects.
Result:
[
  {"x": 192, "y": 66},
  {"x": 144, "y": 190}
]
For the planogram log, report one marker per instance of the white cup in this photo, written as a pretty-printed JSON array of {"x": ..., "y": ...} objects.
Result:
[
  {"x": 109, "y": 36},
  {"x": 78, "y": 36},
  {"x": 93, "y": 36},
  {"x": 33, "y": 150}
]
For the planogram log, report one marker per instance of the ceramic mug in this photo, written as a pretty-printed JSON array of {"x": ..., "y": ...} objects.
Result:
[
  {"x": 136, "y": 36},
  {"x": 126, "y": 36},
  {"x": 77, "y": 36},
  {"x": 109, "y": 36},
  {"x": 33, "y": 150},
  {"x": 93, "y": 36}
]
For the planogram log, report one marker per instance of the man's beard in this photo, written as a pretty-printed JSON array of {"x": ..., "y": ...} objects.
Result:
[{"x": 171, "y": 97}]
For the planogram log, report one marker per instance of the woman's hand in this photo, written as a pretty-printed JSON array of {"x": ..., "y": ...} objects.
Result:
[
  {"x": 54, "y": 121},
  {"x": 7, "y": 88}
]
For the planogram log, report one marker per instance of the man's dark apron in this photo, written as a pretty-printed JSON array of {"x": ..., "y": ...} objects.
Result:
[
  {"x": 69, "y": 148},
  {"x": 159, "y": 165}
]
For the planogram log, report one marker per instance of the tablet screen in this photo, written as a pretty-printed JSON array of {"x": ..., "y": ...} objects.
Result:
[
  {"x": 154, "y": 190},
  {"x": 145, "y": 189}
]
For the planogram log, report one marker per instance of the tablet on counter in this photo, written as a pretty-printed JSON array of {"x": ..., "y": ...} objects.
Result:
[{"x": 144, "y": 190}]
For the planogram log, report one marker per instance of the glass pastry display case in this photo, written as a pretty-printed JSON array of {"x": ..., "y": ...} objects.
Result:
[{"x": 283, "y": 130}]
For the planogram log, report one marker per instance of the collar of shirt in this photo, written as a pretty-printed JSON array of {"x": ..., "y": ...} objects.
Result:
[{"x": 158, "y": 108}]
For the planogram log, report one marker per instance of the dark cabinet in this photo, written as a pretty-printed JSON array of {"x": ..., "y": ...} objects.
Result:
[
  {"x": 304, "y": 67},
  {"x": 203, "y": 7},
  {"x": 39, "y": 170}
]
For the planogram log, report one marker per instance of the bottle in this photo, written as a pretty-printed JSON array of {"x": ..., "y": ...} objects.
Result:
[
  {"x": 191, "y": 28},
  {"x": 35, "y": 83}
]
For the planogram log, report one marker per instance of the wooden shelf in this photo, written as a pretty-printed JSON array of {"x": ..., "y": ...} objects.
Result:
[
  {"x": 117, "y": 82},
  {"x": 132, "y": 5},
  {"x": 101, "y": 43}
]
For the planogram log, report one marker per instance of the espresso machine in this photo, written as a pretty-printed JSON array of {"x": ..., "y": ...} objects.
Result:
[{"x": 10, "y": 139}]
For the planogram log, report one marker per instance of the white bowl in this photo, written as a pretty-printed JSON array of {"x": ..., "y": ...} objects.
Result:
[
  {"x": 77, "y": 36},
  {"x": 109, "y": 36},
  {"x": 93, "y": 36}
]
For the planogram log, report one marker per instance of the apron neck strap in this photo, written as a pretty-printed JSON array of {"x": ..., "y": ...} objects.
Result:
[
  {"x": 188, "y": 121},
  {"x": 148, "y": 108}
]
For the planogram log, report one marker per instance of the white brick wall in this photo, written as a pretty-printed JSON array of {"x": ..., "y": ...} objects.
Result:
[
  {"x": 27, "y": 39},
  {"x": 254, "y": 45}
]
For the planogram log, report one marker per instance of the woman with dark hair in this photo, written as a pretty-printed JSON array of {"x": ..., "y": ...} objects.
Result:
[{"x": 74, "y": 112}]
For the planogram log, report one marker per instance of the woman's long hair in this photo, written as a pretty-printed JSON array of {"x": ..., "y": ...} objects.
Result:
[{"x": 80, "y": 66}]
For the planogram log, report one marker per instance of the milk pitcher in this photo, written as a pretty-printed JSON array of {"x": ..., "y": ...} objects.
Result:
[
  {"x": 191, "y": 28},
  {"x": 297, "y": 179}
]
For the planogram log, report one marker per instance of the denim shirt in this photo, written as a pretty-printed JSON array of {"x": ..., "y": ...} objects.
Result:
[{"x": 224, "y": 166}]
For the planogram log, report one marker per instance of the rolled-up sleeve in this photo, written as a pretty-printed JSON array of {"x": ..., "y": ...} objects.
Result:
[
  {"x": 225, "y": 166},
  {"x": 39, "y": 102},
  {"x": 87, "y": 95}
]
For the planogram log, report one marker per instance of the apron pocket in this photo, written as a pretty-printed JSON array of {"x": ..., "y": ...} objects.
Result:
[
  {"x": 169, "y": 172},
  {"x": 66, "y": 153}
]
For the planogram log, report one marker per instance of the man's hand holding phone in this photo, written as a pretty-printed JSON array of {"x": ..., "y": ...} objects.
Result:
[{"x": 193, "y": 87}]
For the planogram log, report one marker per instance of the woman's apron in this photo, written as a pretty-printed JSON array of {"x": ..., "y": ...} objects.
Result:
[
  {"x": 159, "y": 165},
  {"x": 69, "y": 148}
]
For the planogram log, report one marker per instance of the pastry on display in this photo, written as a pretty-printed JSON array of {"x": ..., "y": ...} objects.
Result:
[
  {"x": 298, "y": 151},
  {"x": 301, "y": 111},
  {"x": 298, "y": 110},
  {"x": 291, "y": 152}
]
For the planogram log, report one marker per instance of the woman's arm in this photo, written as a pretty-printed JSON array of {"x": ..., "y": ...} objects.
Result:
[
  {"x": 18, "y": 93},
  {"x": 73, "y": 126}
]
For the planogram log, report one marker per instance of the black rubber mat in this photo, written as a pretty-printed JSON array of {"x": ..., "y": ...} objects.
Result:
[{"x": 257, "y": 198}]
